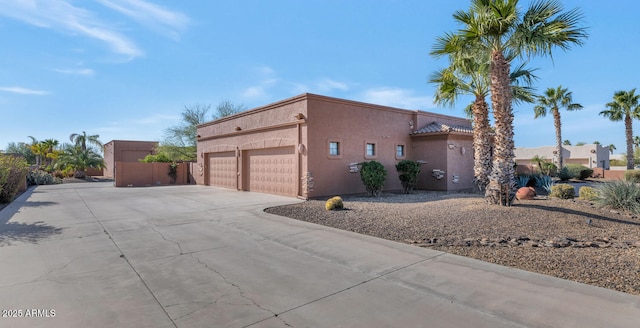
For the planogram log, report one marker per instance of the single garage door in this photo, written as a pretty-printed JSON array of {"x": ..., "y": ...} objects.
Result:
[
  {"x": 271, "y": 171},
  {"x": 223, "y": 170}
]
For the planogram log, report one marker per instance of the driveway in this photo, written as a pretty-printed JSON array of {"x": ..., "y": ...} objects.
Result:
[{"x": 91, "y": 255}]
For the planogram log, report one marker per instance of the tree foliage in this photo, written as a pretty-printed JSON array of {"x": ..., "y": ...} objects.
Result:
[
  {"x": 373, "y": 175},
  {"x": 625, "y": 106},
  {"x": 179, "y": 142}
]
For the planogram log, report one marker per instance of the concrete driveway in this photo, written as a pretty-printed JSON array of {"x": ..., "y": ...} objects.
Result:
[{"x": 91, "y": 255}]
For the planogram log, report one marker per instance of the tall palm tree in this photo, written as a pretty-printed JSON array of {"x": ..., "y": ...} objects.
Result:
[
  {"x": 82, "y": 140},
  {"x": 611, "y": 147},
  {"x": 468, "y": 74},
  {"x": 50, "y": 145},
  {"x": 636, "y": 141},
  {"x": 625, "y": 106},
  {"x": 505, "y": 33},
  {"x": 552, "y": 101}
]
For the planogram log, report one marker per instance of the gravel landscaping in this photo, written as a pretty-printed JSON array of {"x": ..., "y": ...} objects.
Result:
[{"x": 569, "y": 239}]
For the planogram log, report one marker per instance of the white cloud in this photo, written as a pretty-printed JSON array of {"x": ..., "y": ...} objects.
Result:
[
  {"x": 81, "y": 71},
  {"x": 63, "y": 16},
  {"x": 328, "y": 85},
  {"x": 150, "y": 15},
  {"x": 396, "y": 97},
  {"x": 24, "y": 91}
]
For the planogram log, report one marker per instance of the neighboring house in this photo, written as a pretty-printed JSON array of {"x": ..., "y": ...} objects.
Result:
[
  {"x": 591, "y": 156},
  {"x": 308, "y": 146},
  {"x": 125, "y": 151}
]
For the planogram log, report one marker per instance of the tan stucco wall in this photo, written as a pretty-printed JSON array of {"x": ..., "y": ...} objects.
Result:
[
  {"x": 125, "y": 151},
  {"x": 590, "y": 155}
]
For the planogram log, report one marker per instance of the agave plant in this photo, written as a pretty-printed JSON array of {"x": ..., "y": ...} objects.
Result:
[
  {"x": 545, "y": 182},
  {"x": 522, "y": 180}
]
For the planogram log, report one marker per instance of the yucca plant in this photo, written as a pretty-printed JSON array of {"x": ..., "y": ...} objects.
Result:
[{"x": 623, "y": 195}]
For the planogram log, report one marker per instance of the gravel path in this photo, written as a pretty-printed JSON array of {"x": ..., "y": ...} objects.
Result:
[{"x": 548, "y": 236}]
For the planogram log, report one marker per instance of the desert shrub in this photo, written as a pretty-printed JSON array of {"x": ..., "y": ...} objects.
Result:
[
  {"x": 620, "y": 195},
  {"x": 577, "y": 171},
  {"x": 522, "y": 180},
  {"x": 545, "y": 182},
  {"x": 334, "y": 203},
  {"x": 409, "y": 171},
  {"x": 632, "y": 176},
  {"x": 548, "y": 168},
  {"x": 12, "y": 174},
  {"x": 373, "y": 175},
  {"x": 588, "y": 193},
  {"x": 563, "y": 191},
  {"x": 40, "y": 177},
  {"x": 158, "y": 158},
  {"x": 564, "y": 174}
]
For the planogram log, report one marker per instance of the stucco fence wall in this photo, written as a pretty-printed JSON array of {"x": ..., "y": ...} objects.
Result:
[{"x": 137, "y": 174}]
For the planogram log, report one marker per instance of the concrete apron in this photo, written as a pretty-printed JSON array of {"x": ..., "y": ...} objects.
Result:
[{"x": 91, "y": 255}]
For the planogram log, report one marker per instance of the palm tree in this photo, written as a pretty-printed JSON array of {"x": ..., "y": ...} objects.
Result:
[
  {"x": 612, "y": 147},
  {"x": 82, "y": 140},
  {"x": 50, "y": 145},
  {"x": 500, "y": 28},
  {"x": 38, "y": 149},
  {"x": 624, "y": 107},
  {"x": 469, "y": 75},
  {"x": 552, "y": 101},
  {"x": 636, "y": 141},
  {"x": 79, "y": 160}
]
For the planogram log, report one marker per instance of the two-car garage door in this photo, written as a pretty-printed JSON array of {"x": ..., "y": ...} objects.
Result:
[{"x": 269, "y": 170}]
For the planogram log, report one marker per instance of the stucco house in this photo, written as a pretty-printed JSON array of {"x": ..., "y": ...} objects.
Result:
[
  {"x": 590, "y": 155},
  {"x": 308, "y": 146}
]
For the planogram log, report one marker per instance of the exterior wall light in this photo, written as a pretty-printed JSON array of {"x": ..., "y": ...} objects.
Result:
[
  {"x": 238, "y": 128},
  {"x": 299, "y": 116}
]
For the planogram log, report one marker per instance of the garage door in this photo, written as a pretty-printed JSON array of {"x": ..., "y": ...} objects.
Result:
[
  {"x": 222, "y": 170},
  {"x": 271, "y": 171}
]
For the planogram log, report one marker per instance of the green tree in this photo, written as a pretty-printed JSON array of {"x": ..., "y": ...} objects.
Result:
[
  {"x": 625, "y": 107},
  {"x": 636, "y": 141},
  {"x": 179, "y": 142},
  {"x": 83, "y": 139},
  {"x": 50, "y": 152},
  {"x": 78, "y": 159},
  {"x": 22, "y": 149},
  {"x": 611, "y": 147},
  {"x": 499, "y": 27},
  {"x": 552, "y": 101},
  {"x": 227, "y": 108}
]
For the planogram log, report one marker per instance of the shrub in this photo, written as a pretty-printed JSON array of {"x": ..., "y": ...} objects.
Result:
[
  {"x": 12, "y": 174},
  {"x": 548, "y": 168},
  {"x": 632, "y": 176},
  {"x": 564, "y": 174},
  {"x": 334, "y": 203},
  {"x": 563, "y": 191},
  {"x": 40, "y": 177},
  {"x": 158, "y": 158},
  {"x": 620, "y": 195},
  {"x": 545, "y": 182},
  {"x": 577, "y": 171},
  {"x": 588, "y": 193},
  {"x": 409, "y": 171},
  {"x": 373, "y": 175}
]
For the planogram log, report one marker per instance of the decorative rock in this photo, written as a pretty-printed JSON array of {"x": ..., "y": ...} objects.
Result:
[{"x": 526, "y": 193}]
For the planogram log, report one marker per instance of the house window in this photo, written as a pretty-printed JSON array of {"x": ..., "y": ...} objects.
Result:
[
  {"x": 370, "y": 150},
  {"x": 400, "y": 151},
  {"x": 334, "y": 148}
]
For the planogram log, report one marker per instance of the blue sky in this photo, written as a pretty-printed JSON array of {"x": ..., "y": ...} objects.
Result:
[{"x": 125, "y": 69}]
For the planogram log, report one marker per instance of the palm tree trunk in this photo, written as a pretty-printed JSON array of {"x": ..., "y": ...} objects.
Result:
[
  {"x": 501, "y": 189},
  {"x": 481, "y": 143},
  {"x": 628, "y": 125},
  {"x": 558, "y": 126}
]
